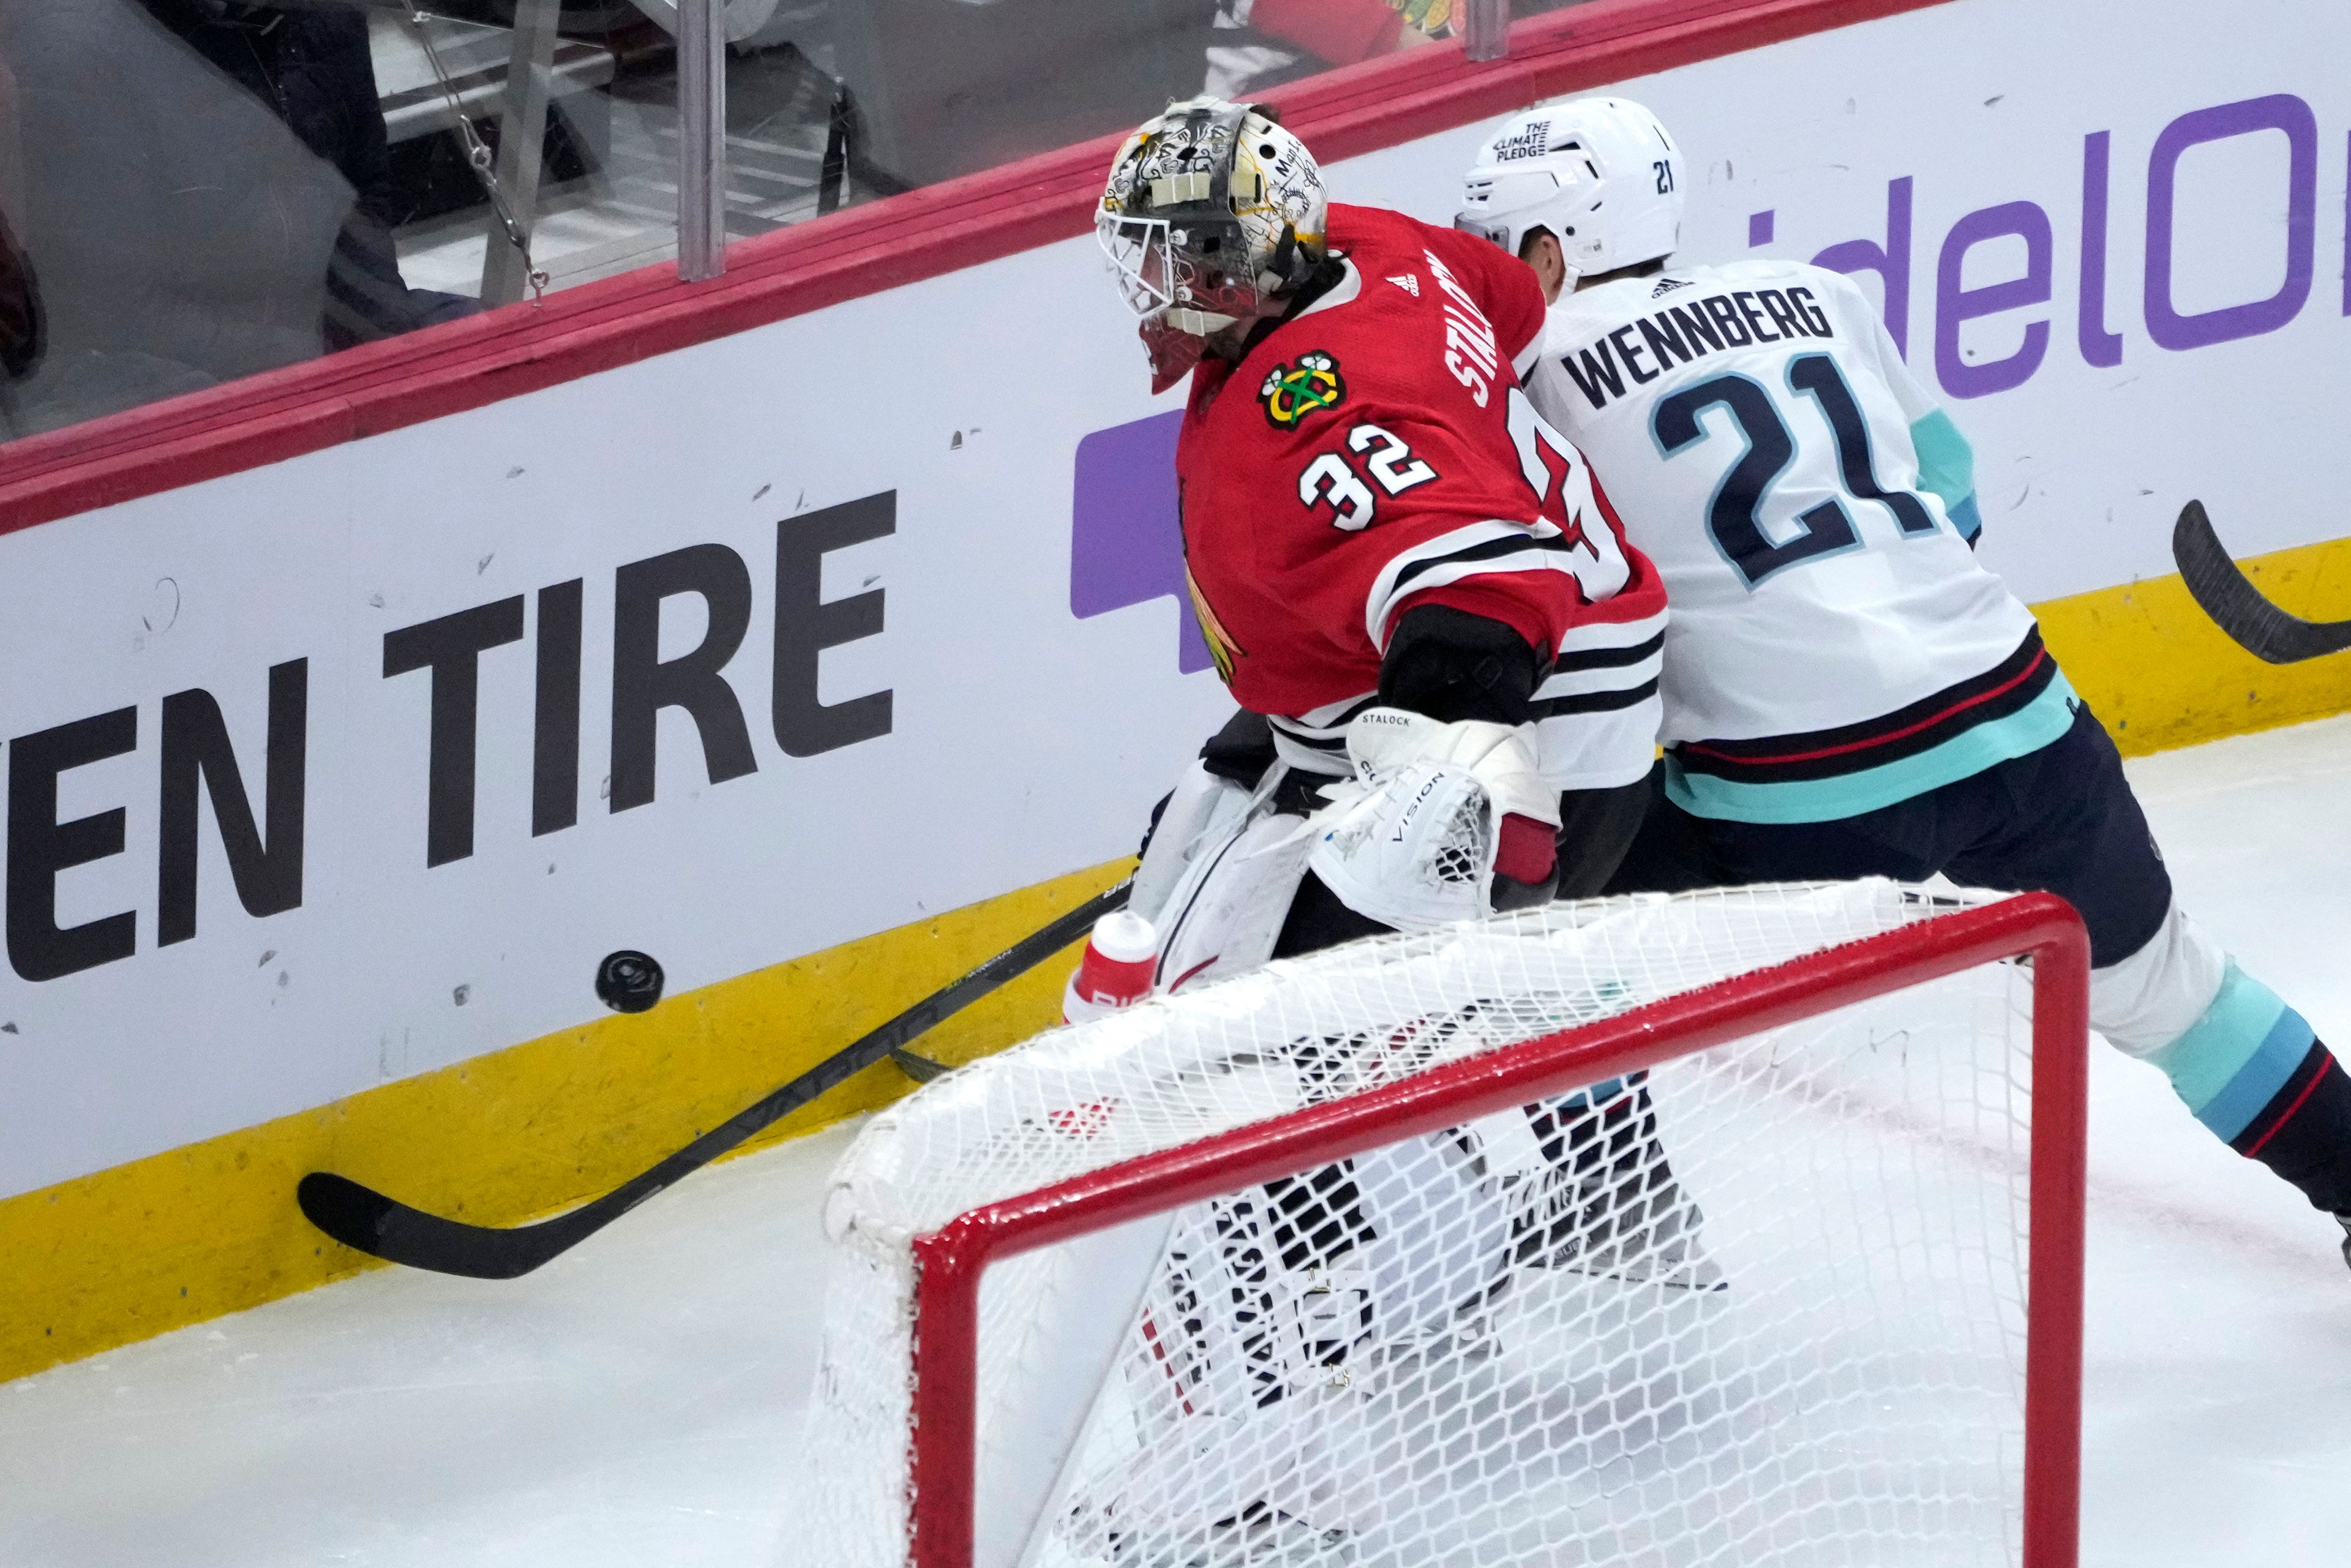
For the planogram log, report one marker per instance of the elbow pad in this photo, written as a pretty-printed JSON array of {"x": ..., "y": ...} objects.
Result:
[{"x": 1453, "y": 665}]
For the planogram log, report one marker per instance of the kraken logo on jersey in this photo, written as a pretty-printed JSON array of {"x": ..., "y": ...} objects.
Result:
[
  {"x": 1221, "y": 646},
  {"x": 1290, "y": 395}
]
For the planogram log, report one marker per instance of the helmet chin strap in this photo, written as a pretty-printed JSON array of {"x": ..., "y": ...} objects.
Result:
[{"x": 1286, "y": 268}]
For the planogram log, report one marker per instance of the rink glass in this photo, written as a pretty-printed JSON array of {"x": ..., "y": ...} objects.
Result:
[{"x": 197, "y": 190}]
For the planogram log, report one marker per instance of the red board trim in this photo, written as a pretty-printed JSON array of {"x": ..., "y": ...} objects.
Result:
[
  {"x": 949, "y": 1262},
  {"x": 942, "y": 228}
]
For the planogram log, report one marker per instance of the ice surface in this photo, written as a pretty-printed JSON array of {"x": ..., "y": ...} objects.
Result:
[{"x": 638, "y": 1402}]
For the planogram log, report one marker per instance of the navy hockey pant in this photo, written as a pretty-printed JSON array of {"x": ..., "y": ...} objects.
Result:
[{"x": 2060, "y": 819}]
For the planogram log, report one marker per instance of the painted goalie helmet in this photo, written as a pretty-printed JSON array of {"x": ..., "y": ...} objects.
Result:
[{"x": 1212, "y": 212}]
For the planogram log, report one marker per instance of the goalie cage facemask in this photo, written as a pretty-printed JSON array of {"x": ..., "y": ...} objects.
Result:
[{"x": 1212, "y": 212}]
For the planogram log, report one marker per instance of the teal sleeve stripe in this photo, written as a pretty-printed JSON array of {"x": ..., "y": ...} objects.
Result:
[
  {"x": 2232, "y": 1062},
  {"x": 1966, "y": 518},
  {"x": 2025, "y": 731},
  {"x": 1947, "y": 463}
]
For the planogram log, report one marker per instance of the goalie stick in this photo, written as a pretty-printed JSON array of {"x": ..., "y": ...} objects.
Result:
[
  {"x": 2237, "y": 607},
  {"x": 360, "y": 1218}
]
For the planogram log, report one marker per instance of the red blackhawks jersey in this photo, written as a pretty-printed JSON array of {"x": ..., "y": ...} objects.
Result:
[{"x": 1374, "y": 453}]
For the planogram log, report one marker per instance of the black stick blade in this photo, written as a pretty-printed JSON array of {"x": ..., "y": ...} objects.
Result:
[
  {"x": 2221, "y": 587},
  {"x": 365, "y": 1220}
]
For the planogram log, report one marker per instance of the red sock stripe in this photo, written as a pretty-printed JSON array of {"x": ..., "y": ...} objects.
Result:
[
  {"x": 1906, "y": 731},
  {"x": 2300, "y": 1100}
]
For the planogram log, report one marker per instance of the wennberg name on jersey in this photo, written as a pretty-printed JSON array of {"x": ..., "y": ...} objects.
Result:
[
  {"x": 1834, "y": 645},
  {"x": 1683, "y": 334}
]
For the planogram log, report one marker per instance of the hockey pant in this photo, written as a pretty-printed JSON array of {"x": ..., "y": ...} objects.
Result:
[{"x": 2063, "y": 820}]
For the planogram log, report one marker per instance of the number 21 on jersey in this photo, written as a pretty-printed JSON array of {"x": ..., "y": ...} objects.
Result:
[{"x": 1736, "y": 517}]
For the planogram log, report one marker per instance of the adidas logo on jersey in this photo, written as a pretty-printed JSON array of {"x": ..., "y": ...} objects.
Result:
[
  {"x": 1668, "y": 285},
  {"x": 1409, "y": 282}
]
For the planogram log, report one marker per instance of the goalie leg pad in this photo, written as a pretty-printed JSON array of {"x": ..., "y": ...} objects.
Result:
[
  {"x": 1226, "y": 913},
  {"x": 1202, "y": 811}
]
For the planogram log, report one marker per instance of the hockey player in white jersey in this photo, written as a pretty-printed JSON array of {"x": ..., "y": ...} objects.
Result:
[{"x": 1847, "y": 692}]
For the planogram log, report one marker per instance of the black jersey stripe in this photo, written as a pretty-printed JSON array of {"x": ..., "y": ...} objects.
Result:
[
  {"x": 1491, "y": 550},
  {"x": 2007, "y": 688},
  {"x": 1594, "y": 702},
  {"x": 1608, "y": 658},
  {"x": 1862, "y": 732},
  {"x": 1308, "y": 738}
]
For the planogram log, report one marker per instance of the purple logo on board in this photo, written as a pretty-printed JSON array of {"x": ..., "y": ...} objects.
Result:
[{"x": 1126, "y": 537}]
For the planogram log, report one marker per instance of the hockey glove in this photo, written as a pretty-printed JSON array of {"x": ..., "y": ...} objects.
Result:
[{"x": 1441, "y": 821}]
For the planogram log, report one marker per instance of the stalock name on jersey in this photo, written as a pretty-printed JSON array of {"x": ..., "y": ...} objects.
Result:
[{"x": 1679, "y": 334}]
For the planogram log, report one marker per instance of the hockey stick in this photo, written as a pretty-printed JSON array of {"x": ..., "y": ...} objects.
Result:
[
  {"x": 360, "y": 1218},
  {"x": 2237, "y": 607}
]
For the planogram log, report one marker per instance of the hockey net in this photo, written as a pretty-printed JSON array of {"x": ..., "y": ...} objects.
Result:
[{"x": 1653, "y": 1232}]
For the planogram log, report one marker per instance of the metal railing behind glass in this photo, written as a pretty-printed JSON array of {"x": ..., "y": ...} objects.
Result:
[{"x": 193, "y": 191}]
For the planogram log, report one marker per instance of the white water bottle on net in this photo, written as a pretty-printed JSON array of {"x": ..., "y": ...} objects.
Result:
[{"x": 1739, "y": 1227}]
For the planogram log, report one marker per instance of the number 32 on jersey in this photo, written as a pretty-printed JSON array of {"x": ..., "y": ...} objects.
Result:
[
  {"x": 1551, "y": 468},
  {"x": 1331, "y": 478}
]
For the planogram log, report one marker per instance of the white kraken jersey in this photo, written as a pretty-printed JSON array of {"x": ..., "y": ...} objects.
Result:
[{"x": 1835, "y": 644}]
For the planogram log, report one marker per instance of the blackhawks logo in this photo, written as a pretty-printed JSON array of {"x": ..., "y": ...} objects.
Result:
[{"x": 1290, "y": 395}]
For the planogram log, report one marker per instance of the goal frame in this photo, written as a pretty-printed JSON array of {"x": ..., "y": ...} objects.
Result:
[{"x": 949, "y": 1262}]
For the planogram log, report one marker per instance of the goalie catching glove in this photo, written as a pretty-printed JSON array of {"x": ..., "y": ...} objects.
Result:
[{"x": 1441, "y": 821}]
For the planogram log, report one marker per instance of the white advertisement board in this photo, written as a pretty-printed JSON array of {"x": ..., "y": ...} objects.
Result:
[{"x": 353, "y": 767}]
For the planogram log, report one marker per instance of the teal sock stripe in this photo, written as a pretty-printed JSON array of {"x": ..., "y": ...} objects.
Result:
[{"x": 2232, "y": 1062}]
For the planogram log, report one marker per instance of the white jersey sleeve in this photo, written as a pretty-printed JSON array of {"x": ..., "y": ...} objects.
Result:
[
  {"x": 1835, "y": 644},
  {"x": 1945, "y": 461}
]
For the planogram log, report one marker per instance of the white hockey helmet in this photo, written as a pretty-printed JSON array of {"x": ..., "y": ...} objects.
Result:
[
  {"x": 1212, "y": 212},
  {"x": 1600, "y": 173}
]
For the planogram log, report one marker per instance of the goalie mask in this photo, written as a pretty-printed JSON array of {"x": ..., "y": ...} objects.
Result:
[{"x": 1212, "y": 212}]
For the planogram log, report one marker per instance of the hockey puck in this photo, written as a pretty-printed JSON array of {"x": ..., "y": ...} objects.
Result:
[{"x": 629, "y": 981}]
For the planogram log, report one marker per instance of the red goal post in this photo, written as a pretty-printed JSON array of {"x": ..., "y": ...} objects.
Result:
[{"x": 951, "y": 1260}]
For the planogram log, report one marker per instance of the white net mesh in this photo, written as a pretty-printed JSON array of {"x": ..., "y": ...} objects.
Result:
[{"x": 1762, "y": 1305}]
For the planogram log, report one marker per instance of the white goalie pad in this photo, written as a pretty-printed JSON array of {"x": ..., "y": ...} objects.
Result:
[
  {"x": 1225, "y": 916},
  {"x": 1281, "y": 1316},
  {"x": 1217, "y": 879},
  {"x": 1201, "y": 809}
]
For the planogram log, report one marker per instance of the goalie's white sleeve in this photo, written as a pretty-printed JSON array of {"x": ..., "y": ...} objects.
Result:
[{"x": 1835, "y": 646}]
